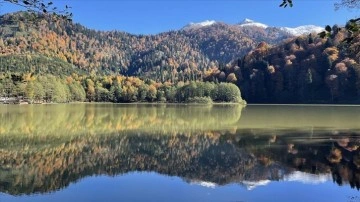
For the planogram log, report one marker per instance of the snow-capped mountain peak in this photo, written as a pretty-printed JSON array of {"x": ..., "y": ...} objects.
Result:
[
  {"x": 296, "y": 31},
  {"x": 249, "y": 22},
  {"x": 305, "y": 29},
  {"x": 193, "y": 25}
]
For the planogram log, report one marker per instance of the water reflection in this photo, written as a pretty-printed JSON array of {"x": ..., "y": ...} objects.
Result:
[
  {"x": 39, "y": 156},
  {"x": 78, "y": 119},
  {"x": 215, "y": 158}
]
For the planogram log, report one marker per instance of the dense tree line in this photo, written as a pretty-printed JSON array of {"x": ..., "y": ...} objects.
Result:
[{"x": 118, "y": 89}]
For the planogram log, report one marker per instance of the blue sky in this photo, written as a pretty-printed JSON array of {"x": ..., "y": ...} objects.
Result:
[{"x": 154, "y": 16}]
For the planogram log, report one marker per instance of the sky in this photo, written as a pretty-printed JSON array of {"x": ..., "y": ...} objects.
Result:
[{"x": 155, "y": 16}]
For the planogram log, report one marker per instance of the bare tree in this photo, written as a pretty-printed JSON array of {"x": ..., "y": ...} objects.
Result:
[
  {"x": 41, "y": 6},
  {"x": 352, "y": 4}
]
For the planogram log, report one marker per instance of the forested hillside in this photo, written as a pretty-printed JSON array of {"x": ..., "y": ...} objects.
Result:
[
  {"x": 169, "y": 56},
  {"x": 268, "y": 64},
  {"x": 308, "y": 69}
]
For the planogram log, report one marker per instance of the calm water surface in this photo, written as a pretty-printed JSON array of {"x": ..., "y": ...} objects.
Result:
[{"x": 116, "y": 152}]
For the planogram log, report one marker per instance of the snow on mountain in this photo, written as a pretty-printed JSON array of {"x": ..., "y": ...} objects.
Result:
[
  {"x": 296, "y": 31},
  {"x": 193, "y": 25},
  {"x": 306, "y": 29},
  {"x": 248, "y": 22}
]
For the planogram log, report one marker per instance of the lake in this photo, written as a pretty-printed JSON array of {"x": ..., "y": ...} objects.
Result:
[{"x": 169, "y": 152}]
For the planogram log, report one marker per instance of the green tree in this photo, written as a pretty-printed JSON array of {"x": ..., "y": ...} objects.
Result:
[
  {"x": 8, "y": 87},
  {"x": 116, "y": 91},
  {"x": 90, "y": 90},
  {"x": 102, "y": 94},
  {"x": 60, "y": 91},
  {"x": 77, "y": 92},
  {"x": 30, "y": 90},
  {"x": 143, "y": 92},
  {"x": 227, "y": 92},
  {"x": 129, "y": 94},
  {"x": 2, "y": 89},
  {"x": 20, "y": 89},
  {"x": 170, "y": 93},
  {"x": 39, "y": 93},
  {"x": 160, "y": 96}
]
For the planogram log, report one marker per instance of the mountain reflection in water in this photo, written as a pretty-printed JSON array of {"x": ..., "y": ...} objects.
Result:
[{"x": 46, "y": 148}]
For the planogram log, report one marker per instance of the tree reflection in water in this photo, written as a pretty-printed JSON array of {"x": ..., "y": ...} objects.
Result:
[{"x": 36, "y": 156}]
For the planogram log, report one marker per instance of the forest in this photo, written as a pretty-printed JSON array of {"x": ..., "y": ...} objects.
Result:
[
  {"x": 306, "y": 69},
  {"x": 68, "y": 62}
]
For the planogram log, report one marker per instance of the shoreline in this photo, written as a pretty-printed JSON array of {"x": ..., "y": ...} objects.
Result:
[
  {"x": 134, "y": 103},
  {"x": 196, "y": 104}
]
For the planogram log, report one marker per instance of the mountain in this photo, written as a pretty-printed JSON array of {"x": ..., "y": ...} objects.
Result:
[
  {"x": 199, "y": 24},
  {"x": 296, "y": 31},
  {"x": 222, "y": 42},
  {"x": 306, "y": 29},
  {"x": 183, "y": 54},
  {"x": 248, "y": 22}
]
